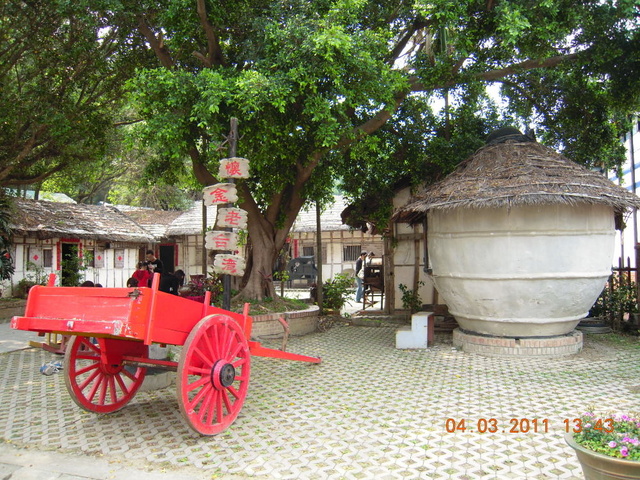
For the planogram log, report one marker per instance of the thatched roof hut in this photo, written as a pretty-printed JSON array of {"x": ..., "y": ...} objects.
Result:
[
  {"x": 516, "y": 171},
  {"x": 51, "y": 219}
]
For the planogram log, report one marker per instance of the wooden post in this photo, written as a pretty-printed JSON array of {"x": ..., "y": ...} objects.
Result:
[
  {"x": 637, "y": 276},
  {"x": 204, "y": 234},
  {"x": 319, "y": 281},
  {"x": 226, "y": 279}
]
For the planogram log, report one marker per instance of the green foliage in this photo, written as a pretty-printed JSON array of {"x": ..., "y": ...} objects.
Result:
[
  {"x": 327, "y": 90},
  {"x": 63, "y": 66},
  {"x": 336, "y": 290},
  {"x": 34, "y": 276},
  {"x": 212, "y": 283},
  {"x": 6, "y": 265},
  {"x": 21, "y": 290},
  {"x": 6, "y": 260},
  {"x": 618, "y": 300},
  {"x": 411, "y": 300},
  {"x": 72, "y": 268}
]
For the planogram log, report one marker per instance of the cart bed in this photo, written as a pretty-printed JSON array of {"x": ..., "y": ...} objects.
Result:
[{"x": 133, "y": 313}]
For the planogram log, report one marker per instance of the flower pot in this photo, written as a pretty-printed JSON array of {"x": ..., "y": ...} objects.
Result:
[
  {"x": 597, "y": 466},
  {"x": 594, "y": 325},
  {"x": 198, "y": 298}
]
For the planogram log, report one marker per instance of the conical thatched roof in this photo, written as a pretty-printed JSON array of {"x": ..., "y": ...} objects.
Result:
[{"x": 513, "y": 173}]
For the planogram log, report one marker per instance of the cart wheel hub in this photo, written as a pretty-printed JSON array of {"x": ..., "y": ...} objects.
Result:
[{"x": 223, "y": 374}]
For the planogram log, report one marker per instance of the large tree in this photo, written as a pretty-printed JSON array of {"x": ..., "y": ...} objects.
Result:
[
  {"x": 63, "y": 66},
  {"x": 309, "y": 81}
]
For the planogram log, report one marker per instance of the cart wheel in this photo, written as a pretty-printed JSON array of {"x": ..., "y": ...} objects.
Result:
[
  {"x": 213, "y": 374},
  {"x": 95, "y": 375}
]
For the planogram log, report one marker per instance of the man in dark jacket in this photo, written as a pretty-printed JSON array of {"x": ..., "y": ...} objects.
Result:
[{"x": 360, "y": 275}]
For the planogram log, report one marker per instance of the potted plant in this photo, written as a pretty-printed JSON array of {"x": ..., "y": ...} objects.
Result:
[
  {"x": 607, "y": 447},
  {"x": 336, "y": 291},
  {"x": 197, "y": 287}
]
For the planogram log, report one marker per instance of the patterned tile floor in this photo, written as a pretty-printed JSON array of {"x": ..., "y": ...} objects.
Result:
[{"x": 368, "y": 411}]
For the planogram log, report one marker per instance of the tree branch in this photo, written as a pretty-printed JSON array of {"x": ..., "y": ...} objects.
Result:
[
  {"x": 127, "y": 122},
  {"x": 14, "y": 181},
  {"x": 404, "y": 40},
  {"x": 157, "y": 44},
  {"x": 203, "y": 175},
  {"x": 494, "y": 75},
  {"x": 214, "y": 52}
]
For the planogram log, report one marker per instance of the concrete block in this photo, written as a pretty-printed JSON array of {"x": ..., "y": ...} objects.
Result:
[{"x": 419, "y": 334}]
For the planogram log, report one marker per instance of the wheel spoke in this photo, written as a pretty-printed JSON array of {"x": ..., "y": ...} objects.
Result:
[
  {"x": 219, "y": 412},
  {"x": 206, "y": 360},
  {"x": 199, "y": 371},
  {"x": 228, "y": 342},
  {"x": 198, "y": 396},
  {"x": 94, "y": 387},
  {"x": 123, "y": 386},
  {"x": 87, "y": 369},
  {"x": 90, "y": 379},
  {"x": 233, "y": 391},
  {"x": 128, "y": 374},
  {"x": 227, "y": 401},
  {"x": 111, "y": 388},
  {"x": 207, "y": 411},
  {"x": 239, "y": 362},
  {"x": 236, "y": 352},
  {"x": 87, "y": 344},
  {"x": 210, "y": 348},
  {"x": 198, "y": 383},
  {"x": 104, "y": 383}
]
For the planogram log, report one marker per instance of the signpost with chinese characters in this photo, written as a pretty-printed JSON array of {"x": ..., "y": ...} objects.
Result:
[
  {"x": 219, "y": 194},
  {"x": 229, "y": 264},
  {"x": 218, "y": 240},
  {"x": 229, "y": 217},
  {"x": 234, "y": 167}
]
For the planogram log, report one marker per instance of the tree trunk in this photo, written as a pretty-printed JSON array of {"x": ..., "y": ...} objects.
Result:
[{"x": 264, "y": 251}]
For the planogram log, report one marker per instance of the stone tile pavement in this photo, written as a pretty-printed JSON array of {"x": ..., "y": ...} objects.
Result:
[{"x": 368, "y": 411}]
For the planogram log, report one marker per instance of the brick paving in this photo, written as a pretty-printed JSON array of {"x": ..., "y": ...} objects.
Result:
[{"x": 368, "y": 411}]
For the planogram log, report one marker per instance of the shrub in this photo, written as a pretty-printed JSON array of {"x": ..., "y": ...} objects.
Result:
[{"x": 336, "y": 290}]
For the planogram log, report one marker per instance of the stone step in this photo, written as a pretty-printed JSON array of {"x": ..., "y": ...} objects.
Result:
[{"x": 419, "y": 335}]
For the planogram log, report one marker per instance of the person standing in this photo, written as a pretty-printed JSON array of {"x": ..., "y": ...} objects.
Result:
[
  {"x": 154, "y": 264},
  {"x": 360, "y": 275},
  {"x": 142, "y": 275}
]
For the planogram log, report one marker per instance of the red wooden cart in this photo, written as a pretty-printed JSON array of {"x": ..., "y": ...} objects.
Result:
[{"x": 112, "y": 328}]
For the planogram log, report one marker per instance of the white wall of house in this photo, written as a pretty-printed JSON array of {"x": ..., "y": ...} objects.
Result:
[
  {"x": 190, "y": 254},
  {"x": 340, "y": 249},
  {"x": 408, "y": 259},
  {"x": 112, "y": 266}
]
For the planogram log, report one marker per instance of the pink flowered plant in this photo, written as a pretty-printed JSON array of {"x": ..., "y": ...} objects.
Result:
[{"x": 615, "y": 435}]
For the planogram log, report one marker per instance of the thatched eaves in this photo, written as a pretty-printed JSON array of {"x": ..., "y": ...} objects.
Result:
[
  {"x": 189, "y": 222},
  {"x": 517, "y": 173},
  {"x": 330, "y": 218},
  {"x": 156, "y": 222},
  {"x": 52, "y": 219}
]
